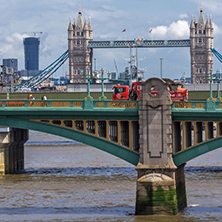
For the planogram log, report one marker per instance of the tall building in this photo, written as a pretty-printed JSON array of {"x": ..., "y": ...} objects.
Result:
[
  {"x": 201, "y": 40},
  {"x": 11, "y": 63},
  {"x": 31, "y": 48},
  {"x": 80, "y": 56}
]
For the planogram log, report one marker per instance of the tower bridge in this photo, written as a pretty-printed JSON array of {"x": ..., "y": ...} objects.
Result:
[{"x": 81, "y": 46}]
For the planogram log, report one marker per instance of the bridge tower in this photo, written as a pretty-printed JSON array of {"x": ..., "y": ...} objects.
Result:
[
  {"x": 80, "y": 56},
  {"x": 201, "y": 40},
  {"x": 160, "y": 184}
]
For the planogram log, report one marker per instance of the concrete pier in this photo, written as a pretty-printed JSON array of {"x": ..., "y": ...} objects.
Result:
[
  {"x": 12, "y": 150},
  {"x": 160, "y": 184}
]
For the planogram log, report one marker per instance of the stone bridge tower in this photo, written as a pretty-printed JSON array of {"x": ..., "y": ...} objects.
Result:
[
  {"x": 201, "y": 40},
  {"x": 80, "y": 56},
  {"x": 160, "y": 184}
]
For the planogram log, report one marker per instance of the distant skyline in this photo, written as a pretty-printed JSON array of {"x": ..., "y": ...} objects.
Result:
[{"x": 167, "y": 19}]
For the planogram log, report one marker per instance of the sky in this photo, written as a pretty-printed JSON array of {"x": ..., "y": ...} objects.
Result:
[{"x": 168, "y": 19}]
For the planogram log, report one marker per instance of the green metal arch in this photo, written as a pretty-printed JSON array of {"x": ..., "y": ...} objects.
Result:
[
  {"x": 102, "y": 144},
  {"x": 197, "y": 150}
]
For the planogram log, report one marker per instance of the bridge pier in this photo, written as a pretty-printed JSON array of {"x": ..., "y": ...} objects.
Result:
[
  {"x": 12, "y": 150},
  {"x": 160, "y": 190},
  {"x": 160, "y": 184}
]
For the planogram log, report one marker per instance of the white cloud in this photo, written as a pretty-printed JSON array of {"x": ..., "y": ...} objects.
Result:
[
  {"x": 217, "y": 29},
  {"x": 183, "y": 16},
  {"x": 10, "y": 46},
  {"x": 175, "y": 30}
]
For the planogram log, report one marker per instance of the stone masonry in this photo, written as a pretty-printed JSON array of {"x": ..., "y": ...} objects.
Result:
[{"x": 160, "y": 184}]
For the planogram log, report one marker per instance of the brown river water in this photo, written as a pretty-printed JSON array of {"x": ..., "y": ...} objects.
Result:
[{"x": 68, "y": 181}]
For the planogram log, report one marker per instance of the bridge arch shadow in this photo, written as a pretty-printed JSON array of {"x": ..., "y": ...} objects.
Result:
[
  {"x": 85, "y": 138},
  {"x": 197, "y": 150}
]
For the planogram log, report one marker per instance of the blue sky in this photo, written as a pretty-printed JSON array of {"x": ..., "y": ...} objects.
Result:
[{"x": 169, "y": 19}]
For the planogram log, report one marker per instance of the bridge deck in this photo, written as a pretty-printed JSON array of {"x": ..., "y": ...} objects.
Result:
[
  {"x": 197, "y": 125},
  {"x": 111, "y": 126}
]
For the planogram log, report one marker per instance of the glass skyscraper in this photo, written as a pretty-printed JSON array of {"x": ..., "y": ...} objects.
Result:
[{"x": 31, "y": 47}]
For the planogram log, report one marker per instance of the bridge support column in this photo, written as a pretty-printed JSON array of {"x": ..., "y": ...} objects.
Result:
[
  {"x": 160, "y": 190},
  {"x": 160, "y": 184},
  {"x": 12, "y": 150}
]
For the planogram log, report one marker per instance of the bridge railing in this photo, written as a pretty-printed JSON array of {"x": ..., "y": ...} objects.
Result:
[
  {"x": 78, "y": 104},
  {"x": 208, "y": 105}
]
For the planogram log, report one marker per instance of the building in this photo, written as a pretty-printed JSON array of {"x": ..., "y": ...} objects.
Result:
[
  {"x": 11, "y": 63},
  {"x": 80, "y": 56},
  {"x": 31, "y": 48},
  {"x": 201, "y": 40}
]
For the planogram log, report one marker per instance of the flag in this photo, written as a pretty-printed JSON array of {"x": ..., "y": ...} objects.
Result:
[
  {"x": 150, "y": 30},
  {"x": 124, "y": 30}
]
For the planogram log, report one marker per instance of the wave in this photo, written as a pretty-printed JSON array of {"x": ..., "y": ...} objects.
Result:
[
  {"x": 51, "y": 143},
  {"x": 203, "y": 169}
]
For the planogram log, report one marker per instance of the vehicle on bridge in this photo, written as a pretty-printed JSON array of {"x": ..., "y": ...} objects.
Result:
[{"x": 123, "y": 92}]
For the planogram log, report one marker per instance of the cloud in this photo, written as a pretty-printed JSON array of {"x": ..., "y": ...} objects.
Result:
[
  {"x": 10, "y": 45},
  {"x": 183, "y": 16},
  {"x": 217, "y": 29},
  {"x": 176, "y": 30}
]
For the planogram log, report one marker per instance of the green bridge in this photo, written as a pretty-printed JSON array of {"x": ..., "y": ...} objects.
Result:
[
  {"x": 154, "y": 134},
  {"x": 113, "y": 126}
]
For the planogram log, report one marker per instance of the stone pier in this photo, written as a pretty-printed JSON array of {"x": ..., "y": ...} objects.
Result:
[
  {"x": 12, "y": 150},
  {"x": 160, "y": 184}
]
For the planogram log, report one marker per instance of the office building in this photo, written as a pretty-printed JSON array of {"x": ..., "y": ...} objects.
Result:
[
  {"x": 11, "y": 63},
  {"x": 31, "y": 48}
]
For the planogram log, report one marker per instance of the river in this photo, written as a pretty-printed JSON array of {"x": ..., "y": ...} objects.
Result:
[{"x": 68, "y": 181}]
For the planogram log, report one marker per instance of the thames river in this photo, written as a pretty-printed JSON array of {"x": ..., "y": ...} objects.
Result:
[{"x": 68, "y": 181}]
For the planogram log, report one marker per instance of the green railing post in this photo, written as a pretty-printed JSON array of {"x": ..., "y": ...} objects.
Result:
[
  {"x": 88, "y": 85},
  {"x": 88, "y": 88},
  {"x": 218, "y": 85},
  {"x": 211, "y": 80},
  {"x": 102, "y": 80},
  {"x": 211, "y": 94}
]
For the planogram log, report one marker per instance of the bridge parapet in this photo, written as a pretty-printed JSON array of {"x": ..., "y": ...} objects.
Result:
[
  {"x": 83, "y": 104},
  {"x": 208, "y": 105}
]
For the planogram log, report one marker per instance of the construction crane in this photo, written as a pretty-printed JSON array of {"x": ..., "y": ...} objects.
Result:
[{"x": 34, "y": 33}]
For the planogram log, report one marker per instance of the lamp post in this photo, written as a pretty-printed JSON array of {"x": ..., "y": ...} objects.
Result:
[
  {"x": 161, "y": 68},
  {"x": 27, "y": 68},
  {"x": 218, "y": 84},
  {"x": 102, "y": 79},
  {"x": 88, "y": 78},
  {"x": 211, "y": 80}
]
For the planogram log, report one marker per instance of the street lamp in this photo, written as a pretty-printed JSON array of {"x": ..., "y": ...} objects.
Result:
[
  {"x": 161, "y": 68},
  {"x": 89, "y": 79},
  {"x": 27, "y": 68},
  {"x": 102, "y": 79},
  {"x": 218, "y": 80},
  {"x": 211, "y": 80}
]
